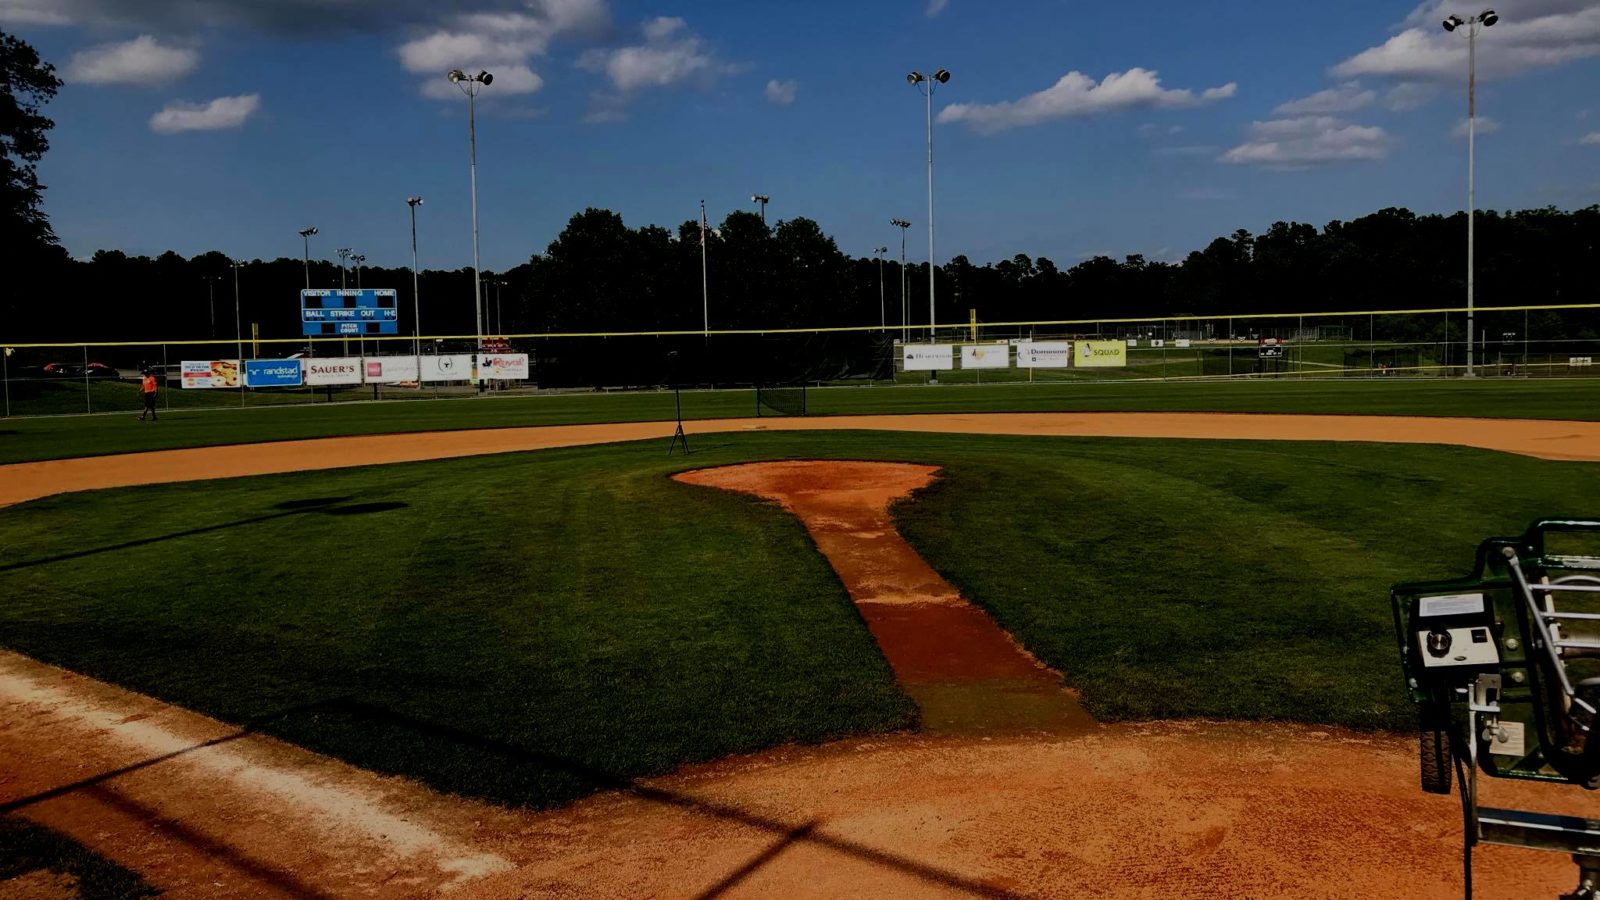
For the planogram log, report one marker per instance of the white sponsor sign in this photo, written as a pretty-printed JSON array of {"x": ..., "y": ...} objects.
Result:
[
  {"x": 1183, "y": 343},
  {"x": 1044, "y": 355},
  {"x": 337, "y": 370},
  {"x": 927, "y": 357},
  {"x": 1158, "y": 343},
  {"x": 1133, "y": 342},
  {"x": 388, "y": 369},
  {"x": 210, "y": 373},
  {"x": 454, "y": 367},
  {"x": 1580, "y": 361},
  {"x": 503, "y": 366},
  {"x": 986, "y": 356}
]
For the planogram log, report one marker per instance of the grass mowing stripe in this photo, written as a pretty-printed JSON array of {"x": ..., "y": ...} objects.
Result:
[
  {"x": 55, "y": 438},
  {"x": 530, "y": 627}
]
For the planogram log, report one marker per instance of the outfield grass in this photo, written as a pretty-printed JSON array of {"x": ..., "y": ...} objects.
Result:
[
  {"x": 530, "y": 627},
  {"x": 54, "y": 438}
]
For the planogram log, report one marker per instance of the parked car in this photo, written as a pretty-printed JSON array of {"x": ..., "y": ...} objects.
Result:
[
  {"x": 61, "y": 370},
  {"x": 101, "y": 370}
]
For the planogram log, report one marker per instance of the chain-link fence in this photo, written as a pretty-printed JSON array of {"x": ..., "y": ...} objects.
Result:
[{"x": 62, "y": 379}]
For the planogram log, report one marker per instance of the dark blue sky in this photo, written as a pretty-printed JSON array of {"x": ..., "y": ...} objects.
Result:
[{"x": 206, "y": 124}]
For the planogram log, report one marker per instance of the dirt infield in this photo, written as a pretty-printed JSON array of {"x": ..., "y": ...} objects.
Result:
[
  {"x": 20, "y": 482},
  {"x": 1193, "y": 809}
]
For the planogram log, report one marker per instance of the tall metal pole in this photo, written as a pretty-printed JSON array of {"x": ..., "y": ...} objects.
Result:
[
  {"x": 238, "y": 329},
  {"x": 705, "y": 284},
  {"x": 416, "y": 302},
  {"x": 883, "y": 322},
  {"x": 211, "y": 295},
  {"x": 931, "y": 258},
  {"x": 1472, "y": 179},
  {"x": 307, "y": 237},
  {"x": 472, "y": 150}
]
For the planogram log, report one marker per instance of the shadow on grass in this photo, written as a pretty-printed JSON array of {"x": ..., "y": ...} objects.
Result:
[{"x": 325, "y": 505}]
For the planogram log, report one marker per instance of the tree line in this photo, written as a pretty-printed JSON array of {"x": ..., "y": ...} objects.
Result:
[{"x": 600, "y": 275}]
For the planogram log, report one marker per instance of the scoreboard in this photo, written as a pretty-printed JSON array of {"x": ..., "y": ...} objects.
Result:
[{"x": 349, "y": 312}]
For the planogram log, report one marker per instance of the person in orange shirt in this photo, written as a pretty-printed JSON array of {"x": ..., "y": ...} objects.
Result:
[{"x": 147, "y": 386}]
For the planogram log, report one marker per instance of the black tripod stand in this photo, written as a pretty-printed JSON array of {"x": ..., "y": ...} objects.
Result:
[{"x": 677, "y": 397}]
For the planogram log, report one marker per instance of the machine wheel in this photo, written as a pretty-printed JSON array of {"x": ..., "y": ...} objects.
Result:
[{"x": 1436, "y": 775}]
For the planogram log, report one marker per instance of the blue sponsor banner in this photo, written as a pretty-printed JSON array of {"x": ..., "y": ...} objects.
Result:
[{"x": 272, "y": 372}]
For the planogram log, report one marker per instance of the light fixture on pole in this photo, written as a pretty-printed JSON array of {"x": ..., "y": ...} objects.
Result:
[
  {"x": 344, "y": 254},
  {"x": 763, "y": 200},
  {"x": 416, "y": 303},
  {"x": 927, "y": 84},
  {"x": 470, "y": 85},
  {"x": 883, "y": 323},
  {"x": 902, "y": 224},
  {"x": 1486, "y": 19},
  {"x": 358, "y": 259},
  {"x": 306, "y": 233}
]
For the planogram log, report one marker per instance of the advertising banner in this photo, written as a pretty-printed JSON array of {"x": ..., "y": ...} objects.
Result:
[
  {"x": 1133, "y": 342},
  {"x": 1102, "y": 355},
  {"x": 211, "y": 373},
  {"x": 1183, "y": 343},
  {"x": 927, "y": 357},
  {"x": 1158, "y": 343},
  {"x": 389, "y": 369},
  {"x": 1580, "y": 362},
  {"x": 986, "y": 356},
  {"x": 273, "y": 373},
  {"x": 454, "y": 367},
  {"x": 503, "y": 366},
  {"x": 338, "y": 370},
  {"x": 1044, "y": 355}
]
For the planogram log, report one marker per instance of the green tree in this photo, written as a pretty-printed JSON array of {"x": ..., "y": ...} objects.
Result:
[{"x": 27, "y": 83}]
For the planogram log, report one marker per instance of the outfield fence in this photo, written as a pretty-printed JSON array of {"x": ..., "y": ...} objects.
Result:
[{"x": 103, "y": 377}]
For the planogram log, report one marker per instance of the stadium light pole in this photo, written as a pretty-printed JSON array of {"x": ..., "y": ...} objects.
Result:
[
  {"x": 416, "y": 303},
  {"x": 1486, "y": 19},
  {"x": 902, "y": 224},
  {"x": 762, "y": 200},
  {"x": 358, "y": 259},
  {"x": 883, "y": 322},
  {"x": 926, "y": 85},
  {"x": 211, "y": 296},
  {"x": 470, "y": 85},
  {"x": 238, "y": 329},
  {"x": 305, "y": 234},
  {"x": 344, "y": 257}
]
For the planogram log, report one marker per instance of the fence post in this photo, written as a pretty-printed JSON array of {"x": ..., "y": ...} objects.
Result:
[
  {"x": 5, "y": 376},
  {"x": 88, "y": 404},
  {"x": 166, "y": 383}
]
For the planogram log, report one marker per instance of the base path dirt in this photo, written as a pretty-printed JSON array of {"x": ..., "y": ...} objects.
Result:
[
  {"x": 966, "y": 674},
  {"x": 20, "y": 482}
]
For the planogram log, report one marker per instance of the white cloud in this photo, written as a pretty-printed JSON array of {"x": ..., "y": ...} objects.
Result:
[
  {"x": 671, "y": 54},
  {"x": 936, "y": 6},
  {"x": 143, "y": 60},
  {"x": 1077, "y": 94},
  {"x": 1307, "y": 141},
  {"x": 223, "y": 112},
  {"x": 1592, "y": 139},
  {"x": 504, "y": 43},
  {"x": 1532, "y": 34},
  {"x": 1409, "y": 95},
  {"x": 1486, "y": 125},
  {"x": 1347, "y": 97},
  {"x": 782, "y": 93}
]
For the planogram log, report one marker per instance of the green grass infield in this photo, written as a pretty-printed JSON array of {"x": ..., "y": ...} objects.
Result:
[
  {"x": 23, "y": 439},
  {"x": 531, "y": 627}
]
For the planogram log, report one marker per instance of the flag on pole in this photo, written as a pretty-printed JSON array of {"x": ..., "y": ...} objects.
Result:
[{"x": 704, "y": 226}]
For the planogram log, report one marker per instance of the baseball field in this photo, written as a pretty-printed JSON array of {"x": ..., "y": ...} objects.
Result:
[{"x": 511, "y": 647}]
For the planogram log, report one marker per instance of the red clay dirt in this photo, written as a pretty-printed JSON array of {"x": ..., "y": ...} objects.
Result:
[
  {"x": 1188, "y": 809},
  {"x": 966, "y": 674}
]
